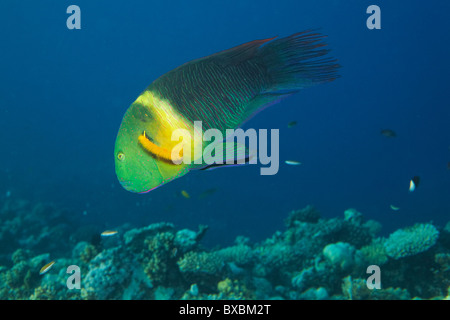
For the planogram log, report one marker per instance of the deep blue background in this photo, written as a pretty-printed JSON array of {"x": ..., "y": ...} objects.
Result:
[{"x": 63, "y": 94}]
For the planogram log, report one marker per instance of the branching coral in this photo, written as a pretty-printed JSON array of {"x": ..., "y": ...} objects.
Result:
[
  {"x": 158, "y": 259},
  {"x": 375, "y": 253},
  {"x": 109, "y": 272},
  {"x": 233, "y": 290}
]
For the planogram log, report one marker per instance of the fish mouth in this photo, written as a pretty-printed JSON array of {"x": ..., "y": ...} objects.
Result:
[
  {"x": 147, "y": 191},
  {"x": 126, "y": 184}
]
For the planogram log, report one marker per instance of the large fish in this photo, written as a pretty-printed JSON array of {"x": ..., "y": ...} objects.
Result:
[{"x": 222, "y": 91}]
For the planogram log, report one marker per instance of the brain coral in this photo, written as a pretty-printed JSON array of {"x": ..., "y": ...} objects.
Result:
[
  {"x": 340, "y": 254},
  {"x": 411, "y": 241}
]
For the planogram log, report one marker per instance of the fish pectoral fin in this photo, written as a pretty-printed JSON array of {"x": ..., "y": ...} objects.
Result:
[
  {"x": 223, "y": 165},
  {"x": 159, "y": 152},
  {"x": 231, "y": 154}
]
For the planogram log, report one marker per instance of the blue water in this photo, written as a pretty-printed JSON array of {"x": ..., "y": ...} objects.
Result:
[{"x": 63, "y": 94}]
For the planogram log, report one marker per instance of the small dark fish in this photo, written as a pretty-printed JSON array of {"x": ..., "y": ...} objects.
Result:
[
  {"x": 414, "y": 183},
  {"x": 207, "y": 193},
  {"x": 292, "y": 124},
  {"x": 388, "y": 133},
  {"x": 169, "y": 207},
  {"x": 448, "y": 165},
  {"x": 185, "y": 194}
]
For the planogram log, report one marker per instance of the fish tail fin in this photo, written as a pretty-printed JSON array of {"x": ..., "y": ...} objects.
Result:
[{"x": 298, "y": 61}]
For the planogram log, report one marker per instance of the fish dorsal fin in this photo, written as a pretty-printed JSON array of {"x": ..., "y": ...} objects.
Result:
[
  {"x": 240, "y": 53},
  {"x": 157, "y": 151}
]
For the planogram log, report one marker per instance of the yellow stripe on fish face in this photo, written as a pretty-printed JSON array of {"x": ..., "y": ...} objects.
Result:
[
  {"x": 159, "y": 151},
  {"x": 167, "y": 121}
]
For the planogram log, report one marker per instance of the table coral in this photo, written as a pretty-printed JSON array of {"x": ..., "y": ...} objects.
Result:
[{"x": 411, "y": 241}]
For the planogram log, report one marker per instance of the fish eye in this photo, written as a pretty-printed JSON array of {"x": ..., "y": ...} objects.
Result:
[{"x": 121, "y": 156}]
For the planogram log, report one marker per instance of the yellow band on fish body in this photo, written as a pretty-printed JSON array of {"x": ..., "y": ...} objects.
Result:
[
  {"x": 167, "y": 120},
  {"x": 157, "y": 151}
]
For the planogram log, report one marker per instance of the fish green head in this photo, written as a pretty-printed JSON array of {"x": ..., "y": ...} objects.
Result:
[{"x": 137, "y": 169}]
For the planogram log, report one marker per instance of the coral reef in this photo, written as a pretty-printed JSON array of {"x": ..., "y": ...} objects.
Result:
[
  {"x": 340, "y": 255},
  {"x": 375, "y": 253},
  {"x": 356, "y": 289},
  {"x": 411, "y": 241},
  {"x": 313, "y": 258},
  {"x": 307, "y": 214}
]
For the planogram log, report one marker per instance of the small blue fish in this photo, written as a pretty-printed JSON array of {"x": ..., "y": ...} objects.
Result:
[
  {"x": 292, "y": 124},
  {"x": 414, "y": 183},
  {"x": 293, "y": 162}
]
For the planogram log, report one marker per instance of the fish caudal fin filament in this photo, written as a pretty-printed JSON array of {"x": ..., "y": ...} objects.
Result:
[{"x": 158, "y": 151}]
